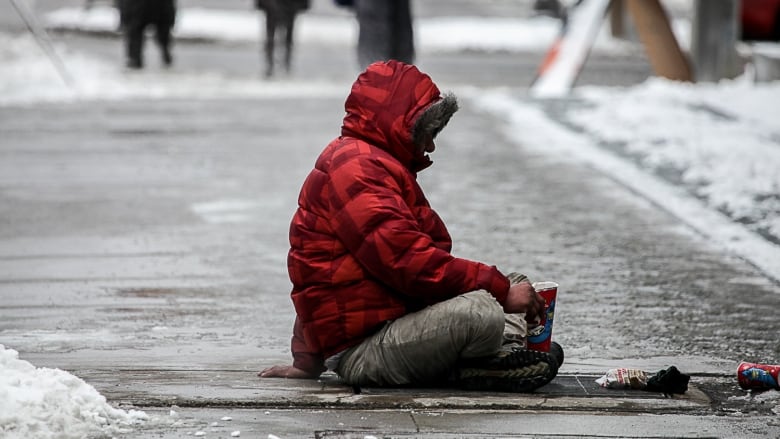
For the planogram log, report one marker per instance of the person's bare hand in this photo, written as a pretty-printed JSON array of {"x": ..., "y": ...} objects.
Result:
[
  {"x": 284, "y": 371},
  {"x": 522, "y": 298}
]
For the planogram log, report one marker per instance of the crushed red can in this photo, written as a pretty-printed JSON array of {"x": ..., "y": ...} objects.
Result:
[
  {"x": 540, "y": 333},
  {"x": 758, "y": 376}
]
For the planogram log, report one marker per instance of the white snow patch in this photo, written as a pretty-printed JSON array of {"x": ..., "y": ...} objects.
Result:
[
  {"x": 723, "y": 139},
  {"x": 45, "y": 403},
  {"x": 225, "y": 211},
  {"x": 28, "y": 76}
]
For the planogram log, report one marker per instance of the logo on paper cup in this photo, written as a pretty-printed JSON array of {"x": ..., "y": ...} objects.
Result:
[
  {"x": 543, "y": 330},
  {"x": 540, "y": 334}
]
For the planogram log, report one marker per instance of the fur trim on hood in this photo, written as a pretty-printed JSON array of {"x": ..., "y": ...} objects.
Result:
[{"x": 434, "y": 118}]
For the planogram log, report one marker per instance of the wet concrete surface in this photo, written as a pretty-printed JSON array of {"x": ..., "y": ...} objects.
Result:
[
  {"x": 152, "y": 265},
  {"x": 328, "y": 423},
  {"x": 143, "y": 247},
  {"x": 191, "y": 223},
  {"x": 229, "y": 388}
]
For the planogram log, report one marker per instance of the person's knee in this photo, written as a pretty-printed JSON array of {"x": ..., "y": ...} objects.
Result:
[{"x": 481, "y": 314}]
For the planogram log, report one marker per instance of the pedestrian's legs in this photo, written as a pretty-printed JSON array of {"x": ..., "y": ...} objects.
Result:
[
  {"x": 289, "y": 28},
  {"x": 423, "y": 348},
  {"x": 402, "y": 33},
  {"x": 271, "y": 22},
  {"x": 163, "y": 37},
  {"x": 134, "y": 42},
  {"x": 120, "y": 8},
  {"x": 375, "y": 32}
]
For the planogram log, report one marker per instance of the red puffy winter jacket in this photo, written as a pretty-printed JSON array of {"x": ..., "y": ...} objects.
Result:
[{"x": 365, "y": 245}]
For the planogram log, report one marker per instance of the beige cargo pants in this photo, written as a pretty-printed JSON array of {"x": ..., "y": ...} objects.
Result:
[{"x": 423, "y": 348}]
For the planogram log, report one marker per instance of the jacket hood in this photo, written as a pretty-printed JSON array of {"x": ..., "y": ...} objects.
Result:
[{"x": 385, "y": 102}]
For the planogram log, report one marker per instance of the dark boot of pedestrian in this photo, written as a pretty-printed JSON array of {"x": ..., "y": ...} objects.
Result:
[
  {"x": 167, "y": 58},
  {"x": 134, "y": 64}
]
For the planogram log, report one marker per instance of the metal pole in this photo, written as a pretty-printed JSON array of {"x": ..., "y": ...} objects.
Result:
[
  {"x": 43, "y": 40},
  {"x": 714, "y": 38}
]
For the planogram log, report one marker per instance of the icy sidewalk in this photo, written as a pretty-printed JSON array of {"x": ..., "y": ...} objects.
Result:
[
  {"x": 143, "y": 241},
  {"x": 715, "y": 145},
  {"x": 143, "y": 248}
]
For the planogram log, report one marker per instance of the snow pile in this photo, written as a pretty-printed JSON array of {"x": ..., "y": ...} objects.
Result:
[
  {"x": 25, "y": 71},
  {"x": 47, "y": 403},
  {"x": 28, "y": 76},
  {"x": 719, "y": 140}
]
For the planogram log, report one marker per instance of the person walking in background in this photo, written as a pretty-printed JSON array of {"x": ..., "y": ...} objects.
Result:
[
  {"x": 379, "y": 298},
  {"x": 385, "y": 31},
  {"x": 279, "y": 15},
  {"x": 136, "y": 15}
]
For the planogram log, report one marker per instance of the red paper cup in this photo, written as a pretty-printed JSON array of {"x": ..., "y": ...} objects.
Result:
[
  {"x": 758, "y": 376},
  {"x": 540, "y": 333}
]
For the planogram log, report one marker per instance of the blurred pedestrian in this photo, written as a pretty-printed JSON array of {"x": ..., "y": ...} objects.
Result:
[
  {"x": 551, "y": 8},
  {"x": 136, "y": 15},
  {"x": 385, "y": 31},
  {"x": 379, "y": 298},
  {"x": 120, "y": 9},
  {"x": 279, "y": 15}
]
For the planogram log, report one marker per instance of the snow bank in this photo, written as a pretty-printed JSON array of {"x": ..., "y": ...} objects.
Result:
[
  {"x": 28, "y": 76},
  {"x": 45, "y": 403},
  {"x": 721, "y": 139}
]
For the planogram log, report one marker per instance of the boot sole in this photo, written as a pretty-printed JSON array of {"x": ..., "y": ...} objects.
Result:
[{"x": 520, "y": 371}]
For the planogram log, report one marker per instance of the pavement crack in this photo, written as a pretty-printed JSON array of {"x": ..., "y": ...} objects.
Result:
[
  {"x": 582, "y": 386},
  {"x": 413, "y": 418}
]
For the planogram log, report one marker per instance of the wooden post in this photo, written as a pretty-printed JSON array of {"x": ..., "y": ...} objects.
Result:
[
  {"x": 655, "y": 33},
  {"x": 617, "y": 19}
]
